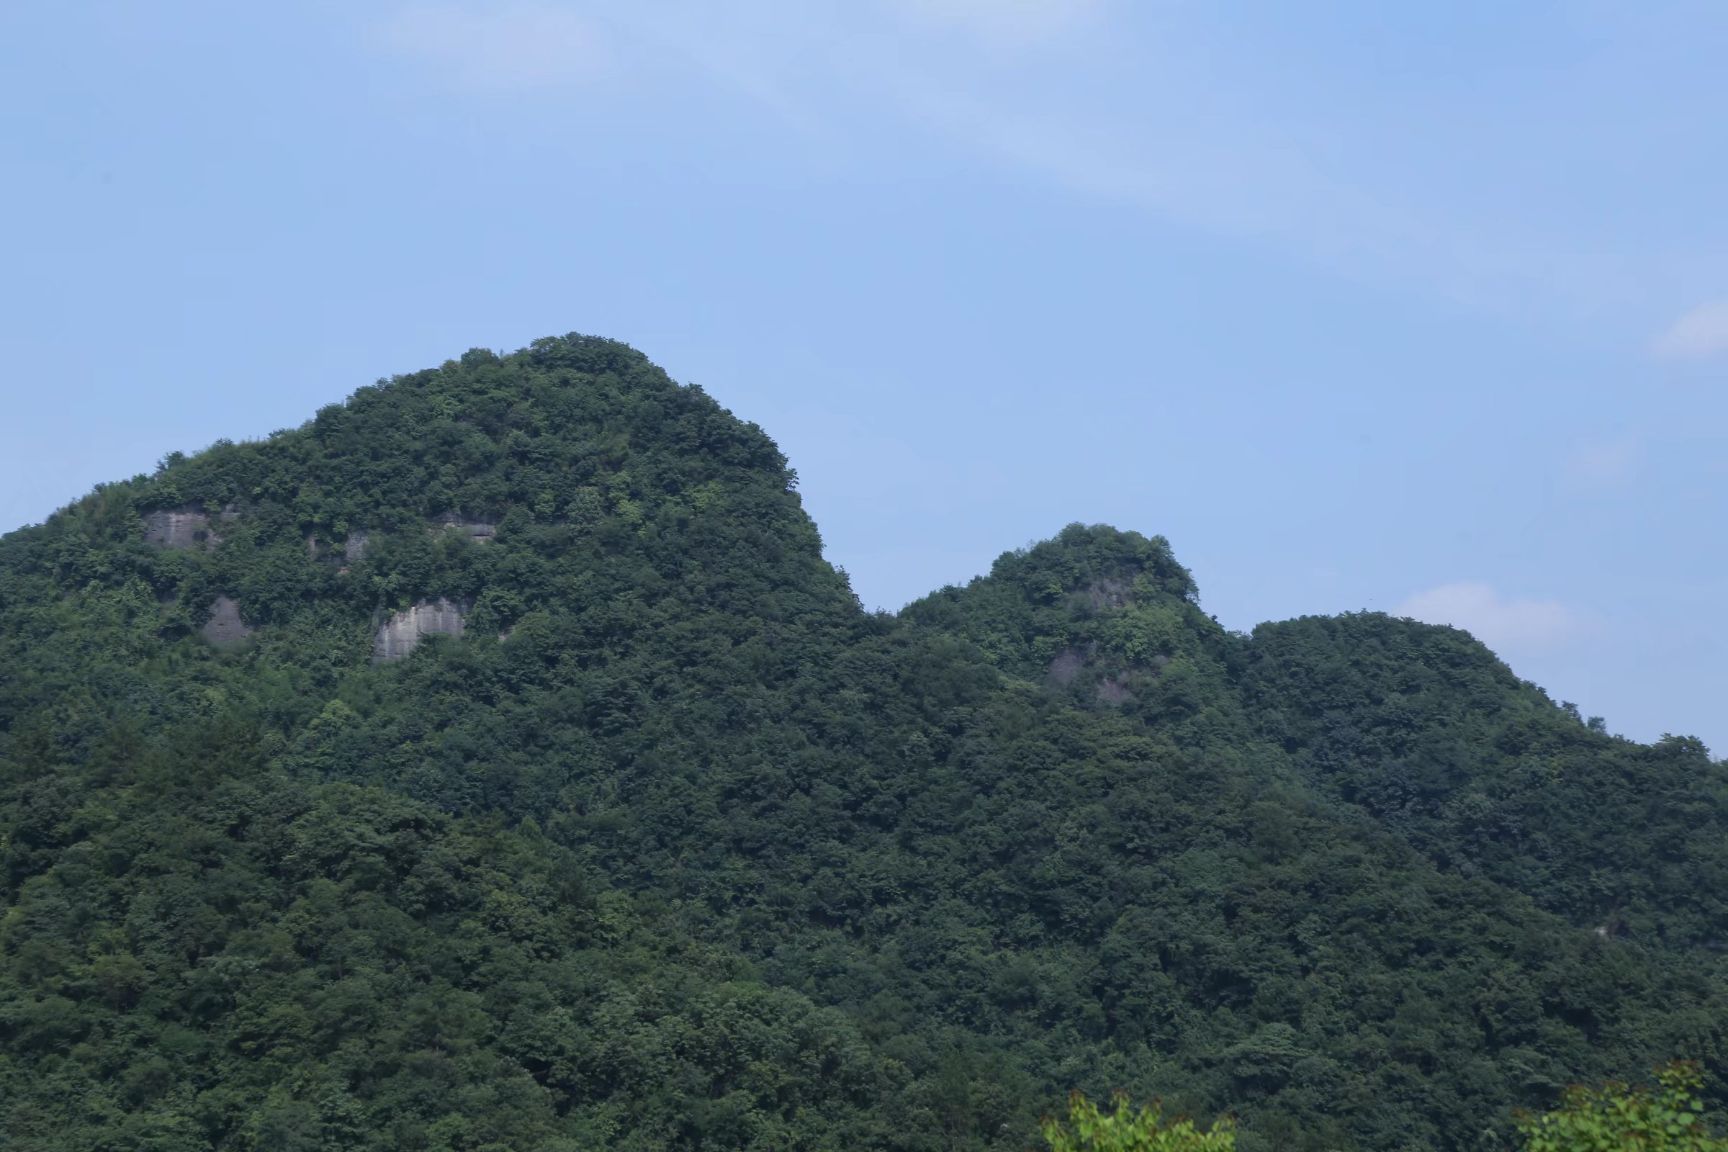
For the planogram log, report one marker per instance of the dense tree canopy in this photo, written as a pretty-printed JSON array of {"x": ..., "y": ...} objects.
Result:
[{"x": 677, "y": 847}]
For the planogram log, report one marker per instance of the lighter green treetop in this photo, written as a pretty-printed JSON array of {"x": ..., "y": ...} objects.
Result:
[
  {"x": 1617, "y": 1118},
  {"x": 1129, "y": 1129}
]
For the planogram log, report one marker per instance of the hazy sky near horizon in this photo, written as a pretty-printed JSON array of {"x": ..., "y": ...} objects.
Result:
[{"x": 1420, "y": 308}]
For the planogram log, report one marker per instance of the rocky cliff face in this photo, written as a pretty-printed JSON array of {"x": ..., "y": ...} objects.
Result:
[
  {"x": 398, "y": 636},
  {"x": 182, "y": 528},
  {"x": 479, "y": 531},
  {"x": 225, "y": 628}
]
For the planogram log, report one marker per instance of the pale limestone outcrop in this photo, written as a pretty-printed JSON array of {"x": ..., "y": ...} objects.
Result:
[
  {"x": 402, "y": 633},
  {"x": 479, "y": 531},
  {"x": 225, "y": 628},
  {"x": 1103, "y": 595},
  {"x": 354, "y": 547},
  {"x": 1114, "y": 690},
  {"x": 1066, "y": 666},
  {"x": 183, "y": 528}
]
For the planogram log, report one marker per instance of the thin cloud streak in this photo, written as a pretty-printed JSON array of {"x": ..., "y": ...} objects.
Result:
[
  {"x": 1700, "y": 334},
  {"x": 1606, "y": 464},
  {"x": 506, "y": 47},
  {"x": 1501, "y": 622},
  {"x": 1009, "y": 80},
  {"x": 999, "y": 23}
]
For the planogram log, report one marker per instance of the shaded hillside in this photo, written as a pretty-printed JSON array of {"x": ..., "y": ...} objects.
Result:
[
  {"x": 540, "y": 787},
  {"x": 1422, "y": 728}
]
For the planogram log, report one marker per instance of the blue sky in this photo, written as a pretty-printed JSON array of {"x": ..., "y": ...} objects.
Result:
[{"x": 1421, "y": 308}]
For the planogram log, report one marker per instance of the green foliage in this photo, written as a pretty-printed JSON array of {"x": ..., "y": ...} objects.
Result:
[
  {"x": 679, "y": 848},
  {"x": 1127, "y": 1129},
  {"x": 1421, "y": 728},
  {"x": 1618, "y": 1118}
]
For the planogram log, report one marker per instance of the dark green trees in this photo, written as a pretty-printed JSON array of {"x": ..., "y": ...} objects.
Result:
[{"x": 676, "y": 847}]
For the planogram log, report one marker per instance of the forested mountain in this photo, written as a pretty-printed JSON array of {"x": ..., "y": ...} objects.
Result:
[{"x": 494, "y": 763}]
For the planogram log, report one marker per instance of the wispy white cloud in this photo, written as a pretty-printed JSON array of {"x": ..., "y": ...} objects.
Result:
[
  {"x": 1501, "y": 622},
  {"x": 998, "y": 22},
  {"x": 1698, "y": 335},
  {"x": 1605, "y": 463},
  {"x": 1195, "y": 153},
  {"x": 508, "y": 46},
  {"x": 1151, "y": 106}
]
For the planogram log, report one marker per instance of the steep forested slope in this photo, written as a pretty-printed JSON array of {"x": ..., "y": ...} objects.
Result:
[
  {"x": 1424, "y": 729},
  {"x": 674, "y": 846}
]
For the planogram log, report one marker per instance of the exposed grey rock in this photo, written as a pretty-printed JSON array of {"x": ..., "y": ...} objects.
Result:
[
  {"x": 1103, "y": 595},
  {"x": 1066, "y": 666},
  {"x": 225, "y": 628},
  {"x": 479, "y": 531},
  {"x": 182, "y": 528},
  {"x": 402, "y": 633},
  {"x": 1113, "y": 690},
  {"x": 354, "y": 548}
]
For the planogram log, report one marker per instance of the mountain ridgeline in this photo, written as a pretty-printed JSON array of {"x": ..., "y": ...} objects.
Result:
[{"x": 494, "y": 763}]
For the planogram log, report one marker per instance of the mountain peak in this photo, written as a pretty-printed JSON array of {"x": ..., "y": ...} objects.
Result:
[
  {"x": 493, "y": 761},
  {"x": 1107, "y": 566},
  {"x": 542, "y": 430}
]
